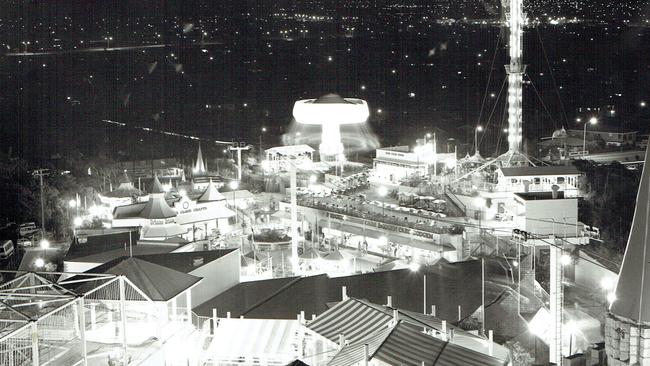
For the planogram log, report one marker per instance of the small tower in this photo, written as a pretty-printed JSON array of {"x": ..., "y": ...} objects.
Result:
[{"x": 627, "y": 328}]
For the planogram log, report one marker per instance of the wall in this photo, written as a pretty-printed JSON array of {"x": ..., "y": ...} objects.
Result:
[
  {"x": 218, "y": 276},
  {"x": 545, "y": 217}
]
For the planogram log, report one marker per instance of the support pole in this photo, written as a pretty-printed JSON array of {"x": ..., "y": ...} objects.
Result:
[
  {"x": 483, "y": 295},
  {"x": 557, "y": 299},
  {"x": 82, "y": 328},
  {"x": 294, "y": 221},
  {"x": 125, "y": 356},
  {"x": 34, "y": 334}
]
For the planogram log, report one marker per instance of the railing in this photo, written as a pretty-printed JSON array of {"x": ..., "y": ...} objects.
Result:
[
  {"x": 385, "y": 221},
  {"x": 456, "y": 201}
]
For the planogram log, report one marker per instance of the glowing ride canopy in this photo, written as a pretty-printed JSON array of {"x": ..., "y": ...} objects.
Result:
[{"x": 330, "y": 112}]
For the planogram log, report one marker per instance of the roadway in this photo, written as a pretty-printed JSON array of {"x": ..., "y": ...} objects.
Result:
[
  {"x": 106, "y": 49},
  {"x": 627, "y": 156}
]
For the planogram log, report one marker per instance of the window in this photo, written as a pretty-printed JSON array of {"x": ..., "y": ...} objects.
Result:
[
  {"x": 560, "y": 180},
  {"x": 537, "y": 180}
]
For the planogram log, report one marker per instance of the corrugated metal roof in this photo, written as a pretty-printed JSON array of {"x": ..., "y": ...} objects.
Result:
[{"x": 405, "y": 344}]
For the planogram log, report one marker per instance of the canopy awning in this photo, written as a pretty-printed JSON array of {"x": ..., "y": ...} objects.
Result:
[{"x": 269, "y": 339}]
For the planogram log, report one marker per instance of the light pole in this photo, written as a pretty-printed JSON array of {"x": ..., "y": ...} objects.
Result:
[
  {"x": 234, "y": 185},
  {"x": 263, "y": 131},
  {"x": 383, "y": 191},
  {"x": 478, "y": 129},
  {"x": 593, "y": 121}
]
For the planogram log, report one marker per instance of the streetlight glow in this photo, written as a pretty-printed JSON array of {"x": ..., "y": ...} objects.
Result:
[
  {"x": 382, "y": 191},
  {"x": 39, "y": 263},
  {"x": 233, "y": 184},
  {"x": 44, "y": 243},
  {"x": 565, "y": 259},
  {"x": 72, "y": 203},
  {"x": 593, "y": 120},
  {"x": 78, "y": 221}
]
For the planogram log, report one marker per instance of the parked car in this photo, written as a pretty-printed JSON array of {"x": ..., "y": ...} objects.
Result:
[
  {"x": 6, "y": 249},
  {"x": 25, "y": 243},
  {"x": 27, "y": 228}
]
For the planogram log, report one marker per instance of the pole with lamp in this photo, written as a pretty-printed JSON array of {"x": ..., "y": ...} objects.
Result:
[
  {"x": 263, "y": 131},
  {"x": 592, "y": 121},
  {"x": 234, "y": 185}
]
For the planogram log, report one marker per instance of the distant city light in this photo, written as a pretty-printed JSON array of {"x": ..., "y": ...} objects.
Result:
[{"x": 642, "y": 104}]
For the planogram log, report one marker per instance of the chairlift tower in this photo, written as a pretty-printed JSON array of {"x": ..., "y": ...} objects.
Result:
[{"x": 239, "y": 147}]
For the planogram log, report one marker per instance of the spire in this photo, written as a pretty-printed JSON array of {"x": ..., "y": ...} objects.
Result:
[
  {"x": 157, "y": 186},
  {"x": 125, "y": 178},
  {"x": 199, "y": 166},
  {"x": 632, "y": 300}
]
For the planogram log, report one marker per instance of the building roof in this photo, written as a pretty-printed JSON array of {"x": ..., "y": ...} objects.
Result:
[
  {"x": 448, "y": 285},
  {"x": 404, "y": 344},
  {"x": 536, "y": 196},
  {"x": 157, "y": 282},
  {"x": 183, "y": 262},
  {"x": 156, "y": 208},
  {"x": 157, "y": 186},
  {"x": 358, "y": 320},
  {"x": 290, "y": 149},
  {"x": 527, "y": 171},
  {"x": 124, "y": 190},
  {"x": 211, "y": 194},
  {"x": 633, "y": 287},
  {"x": 102, "y": 245}
]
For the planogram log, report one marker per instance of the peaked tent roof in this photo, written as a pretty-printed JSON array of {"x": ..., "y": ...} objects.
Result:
[
  {"x": 157, "y": 208},
  {"x": 633, "y": 287},
  {"x": 211, "y": 194},
  {"x": 157, "y": 186},
  {"x": 157, "y": 282}
]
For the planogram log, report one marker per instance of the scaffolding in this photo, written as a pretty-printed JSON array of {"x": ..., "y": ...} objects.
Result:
[{"x": 89, "y": 318}]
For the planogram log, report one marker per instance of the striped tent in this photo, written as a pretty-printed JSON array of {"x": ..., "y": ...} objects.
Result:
[{"x": 405, "y": 344}]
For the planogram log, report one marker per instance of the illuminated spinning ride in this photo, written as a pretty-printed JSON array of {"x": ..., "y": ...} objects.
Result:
[{"x": 330, "y": 112}]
